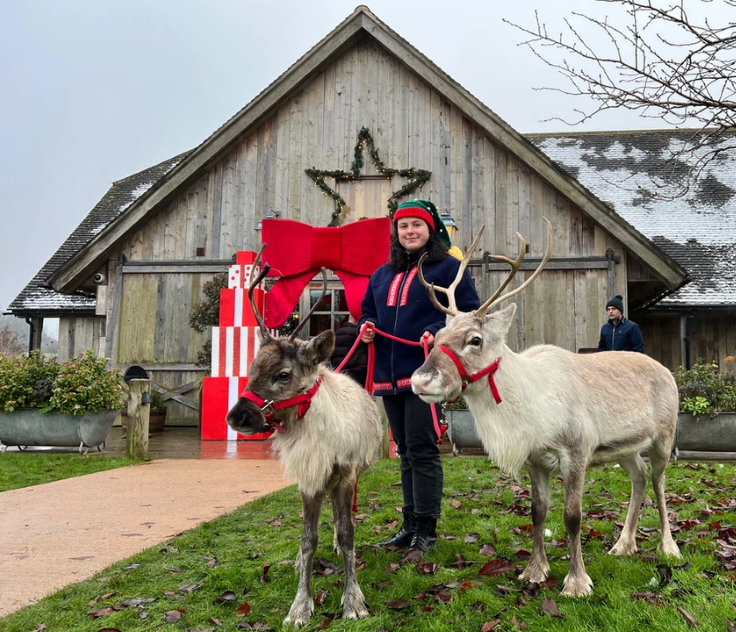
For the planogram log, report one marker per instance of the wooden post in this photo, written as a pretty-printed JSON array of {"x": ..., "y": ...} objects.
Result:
[{"x": 139, "y": 410}]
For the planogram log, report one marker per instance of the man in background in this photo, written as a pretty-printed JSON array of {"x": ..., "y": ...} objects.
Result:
[{"x": 619, "y": 333}]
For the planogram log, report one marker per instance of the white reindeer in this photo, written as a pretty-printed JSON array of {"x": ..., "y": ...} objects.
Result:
[
  {"x": 324, "y": 448},
  {"x": 555, "y": 412}
]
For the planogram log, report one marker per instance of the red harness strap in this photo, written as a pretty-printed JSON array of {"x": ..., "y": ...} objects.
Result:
[
  {"x": 270, "y": 407},
  {"x": 469, "y": 379}
]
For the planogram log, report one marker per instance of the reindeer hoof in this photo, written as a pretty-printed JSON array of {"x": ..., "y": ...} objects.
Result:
[
  {"x": 300, "y": 612},
  {"x": 579, "y": 586},
  {"x": 535, "y": 573},
  {"x": 669, "y": 548},
  {"x": 357, "y": 610},
  {"x": 624, "y": 548}
]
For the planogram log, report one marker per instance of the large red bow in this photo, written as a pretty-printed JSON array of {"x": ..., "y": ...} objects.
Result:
[{"x": 297, "y": 251}]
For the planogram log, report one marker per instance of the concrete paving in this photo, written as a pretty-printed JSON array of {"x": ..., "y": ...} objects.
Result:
[{"x": 59, "y": 533}]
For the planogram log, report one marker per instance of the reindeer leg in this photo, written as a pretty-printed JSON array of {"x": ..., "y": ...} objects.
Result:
[
  {"x": 577, "y": 583},
  {"x": 637, "y": 471},
  {"x": 537, "y": 569},
  {"x": 303, "y": 607},
  {"x": 353, "y": 602},
  {"x": 658, "y": 461}
]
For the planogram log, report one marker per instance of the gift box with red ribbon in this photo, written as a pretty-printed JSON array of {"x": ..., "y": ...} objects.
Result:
[
  {"x": 219, "y": 395},
  {"x": 233, "y": 350}
]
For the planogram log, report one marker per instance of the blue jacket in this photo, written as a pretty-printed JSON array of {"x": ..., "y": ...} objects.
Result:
[
  {"x": 626, "y": 336},
  {"x": 397, "y": 302}
]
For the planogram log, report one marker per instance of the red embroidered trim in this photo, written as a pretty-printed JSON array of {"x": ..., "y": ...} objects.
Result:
[
  {"x": 405, "y": 294},
  {"x": 403, "y": 383},
  {"x": 394, "y": 290},
  {"x": 382, "y": 386}
]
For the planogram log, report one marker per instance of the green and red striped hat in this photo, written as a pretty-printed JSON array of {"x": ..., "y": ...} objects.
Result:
[{"x": 427, "y": 212}]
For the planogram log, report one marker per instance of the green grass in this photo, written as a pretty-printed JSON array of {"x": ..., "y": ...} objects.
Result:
[
  {"x": 250, "y": 552},
  {"x": 33, "y": 468}
]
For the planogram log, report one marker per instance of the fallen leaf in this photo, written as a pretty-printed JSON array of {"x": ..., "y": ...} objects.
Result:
[
  {"x": 550, "y": 607},
  {"x": 412, "y": 556},
  {"x": 523, "y": 554},
  {"x": 520, "y": 625},
  {"x": 496, "y": 567},
  {"x": 688, "y": 617},
  {"x": 243, "y": 610},
  {"x": 456, "y": 504},
  {"x": 96, "y": 614},
  {"x": 488, "y": 550},
  {"x": 397, "y": 604},
  {"x": 325, "y": 623},
  {"x": 228, "y": 595},
  {"x": 211, "y": 561},
  {"x": 489, "y": 625},
  {"x": 665, "y": 574},
  {"x": 471, "y": 538},
  {"x": 320, "y": 597},
  {"x": 172, "y": 616},
  {"x": 428, "y": 568},
  {"x": 393, "y": 567},
  {"x": 648, "y": 596}
]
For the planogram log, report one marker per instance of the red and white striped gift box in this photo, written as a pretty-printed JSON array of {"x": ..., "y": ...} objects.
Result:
[
  {"x": 233, "y": 350},
  {"x": 219, "y": 395},
  {"x": 235, "y": 310}
]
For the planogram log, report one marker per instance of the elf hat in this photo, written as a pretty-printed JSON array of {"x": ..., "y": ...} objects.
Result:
[{"x": 427, "y": 212}]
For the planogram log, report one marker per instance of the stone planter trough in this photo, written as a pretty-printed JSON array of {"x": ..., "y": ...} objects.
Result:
[
  {"x": 697, "y": 438},
  {"x": 28, "y": 427}
]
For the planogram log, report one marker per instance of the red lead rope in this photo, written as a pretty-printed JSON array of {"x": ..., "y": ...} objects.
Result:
[{"x": 372, "y": 364}]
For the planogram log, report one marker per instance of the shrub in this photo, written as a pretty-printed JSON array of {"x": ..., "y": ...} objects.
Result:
[
  {"x": 26, "y": 381},
  {"x": 704, "y": 390},
  {"x": 83, "y": 384}
]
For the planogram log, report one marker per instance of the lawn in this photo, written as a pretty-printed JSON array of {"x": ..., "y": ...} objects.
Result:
[
  {"x": 33, "y": 468},
  {"x": 237, "y": 572}
]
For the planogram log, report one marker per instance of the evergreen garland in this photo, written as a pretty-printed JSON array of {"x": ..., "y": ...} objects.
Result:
[{"x": 416, "y": 177}]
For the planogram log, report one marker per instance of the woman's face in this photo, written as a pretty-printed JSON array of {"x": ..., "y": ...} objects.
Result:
[{"x": 413, "y": 233}]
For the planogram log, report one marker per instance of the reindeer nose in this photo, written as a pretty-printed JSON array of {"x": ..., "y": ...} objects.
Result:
[{"x": 420, "y": 382}]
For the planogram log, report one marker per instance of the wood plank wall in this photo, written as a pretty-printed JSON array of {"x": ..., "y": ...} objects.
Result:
[
  {"x": 413, "y": 126},
  {"x": 78, "y": 334},
  {"x": 713, "y": 338}
]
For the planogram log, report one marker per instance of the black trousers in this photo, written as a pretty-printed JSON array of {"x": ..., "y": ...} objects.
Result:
[{"x": 421, "y": 470}]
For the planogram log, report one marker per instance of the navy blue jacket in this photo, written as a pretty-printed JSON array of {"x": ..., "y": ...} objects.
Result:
[
  {"x": 626, "y": 336},
  {"x": 397, "y": 303}
]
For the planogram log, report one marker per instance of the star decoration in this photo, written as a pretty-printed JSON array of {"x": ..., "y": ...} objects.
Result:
[{"x": 416, "y": 177}]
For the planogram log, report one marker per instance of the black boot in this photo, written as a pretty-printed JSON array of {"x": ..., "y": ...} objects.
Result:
[
  {"x": 403, "y": 537},
  {"x": 425, "y": 535}
]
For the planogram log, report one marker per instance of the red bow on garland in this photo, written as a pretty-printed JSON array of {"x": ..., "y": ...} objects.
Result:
[{"x": 297, "y": 252}]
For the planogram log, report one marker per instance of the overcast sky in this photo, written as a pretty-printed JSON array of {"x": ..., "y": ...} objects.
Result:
[{"x": 95, "y": 90}]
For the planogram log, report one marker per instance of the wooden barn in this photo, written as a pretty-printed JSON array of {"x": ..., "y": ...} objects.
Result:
[{"x": 125, "y": 281}]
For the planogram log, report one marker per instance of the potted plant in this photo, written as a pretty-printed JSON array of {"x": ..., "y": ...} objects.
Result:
[
  {"x": 461, "y": 427},
  {"x": 157, "y": 416},
  {"x": 707, "y": 421},
  {"x": 46, "y": 403}
]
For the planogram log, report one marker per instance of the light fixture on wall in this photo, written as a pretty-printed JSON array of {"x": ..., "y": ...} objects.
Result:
[
  {"x": 449, "y": 224},
  {"x": 271, "y": 215}
]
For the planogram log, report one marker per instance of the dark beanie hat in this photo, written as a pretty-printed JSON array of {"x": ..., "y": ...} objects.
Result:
[{"x": 617, "y": 302}]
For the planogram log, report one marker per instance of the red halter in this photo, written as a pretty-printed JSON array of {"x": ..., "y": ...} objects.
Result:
[
  {"x": 469, "y": 379},
  {"x": 269, "y": 407}
]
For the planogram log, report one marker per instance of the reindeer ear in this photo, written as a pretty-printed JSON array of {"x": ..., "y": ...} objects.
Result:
[
  {"x": 500, "y": 321},
  {"x": 320, "y": 348}
]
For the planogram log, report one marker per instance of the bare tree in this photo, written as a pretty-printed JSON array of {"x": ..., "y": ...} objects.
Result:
[
  {"x": 10, "y": 345},
  {"x": 654, "y": 57}
]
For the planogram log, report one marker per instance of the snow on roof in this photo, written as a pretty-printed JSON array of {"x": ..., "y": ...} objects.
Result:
[
  {"x": 38, "y": 296},
  {"x": 697, "y": 229}
]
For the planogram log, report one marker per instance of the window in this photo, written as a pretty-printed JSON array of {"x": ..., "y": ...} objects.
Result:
[{"x": 332, "y": 310}]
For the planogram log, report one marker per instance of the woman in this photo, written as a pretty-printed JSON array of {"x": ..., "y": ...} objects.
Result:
[{"x": 397, "y": 303}]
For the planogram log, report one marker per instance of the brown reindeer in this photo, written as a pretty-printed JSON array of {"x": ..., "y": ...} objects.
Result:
[
  {"x": 555, "y": 412},
  {"x": 329, "y": 431}
]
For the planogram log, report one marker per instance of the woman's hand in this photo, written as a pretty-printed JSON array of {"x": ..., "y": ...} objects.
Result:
[
  {"x": 368, "y": 334},
  {"x": 429, "y": 338}
]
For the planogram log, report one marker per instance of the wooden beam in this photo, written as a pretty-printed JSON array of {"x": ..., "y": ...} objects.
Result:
[{"x": 567, "y": 263}]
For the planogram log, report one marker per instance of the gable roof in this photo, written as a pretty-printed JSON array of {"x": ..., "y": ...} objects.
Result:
[
  {"x": 361, "y": 23},
  {"x": 41, "y": 299},
  {"x": 697, "y": 229}
]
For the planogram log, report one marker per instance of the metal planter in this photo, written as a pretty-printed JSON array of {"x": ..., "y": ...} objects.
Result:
[
  {"x": 28, "y": 427},
  {"x": 695, "y": 438}
]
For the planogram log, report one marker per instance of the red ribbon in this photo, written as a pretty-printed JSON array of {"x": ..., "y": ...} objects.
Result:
[{"x": 297, "y": 251}]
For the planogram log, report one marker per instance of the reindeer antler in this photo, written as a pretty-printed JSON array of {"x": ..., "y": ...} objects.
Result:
[
  {"x": 305, "y": 320},
  {"x": 253, "y": 286},
  {"x": 515, "y": 265},
  {"x": 451, "y": 309}
]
